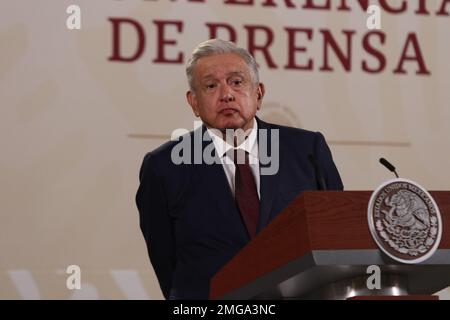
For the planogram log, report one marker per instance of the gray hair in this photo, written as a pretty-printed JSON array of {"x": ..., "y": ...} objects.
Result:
[{"x": 218, "y": 46}]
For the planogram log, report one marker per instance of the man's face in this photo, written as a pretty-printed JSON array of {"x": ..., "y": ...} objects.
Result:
[{"x": 225, "y": 96}]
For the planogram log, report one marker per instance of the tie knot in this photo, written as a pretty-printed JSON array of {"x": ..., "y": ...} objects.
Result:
[{"x": 238, "y": 156}]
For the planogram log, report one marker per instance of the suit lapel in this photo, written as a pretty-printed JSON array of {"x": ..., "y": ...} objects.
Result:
[
  {"x": 223, "y": 193},
  {"x": 268, "y": 183},
  {"x": 216, "y": 178}
]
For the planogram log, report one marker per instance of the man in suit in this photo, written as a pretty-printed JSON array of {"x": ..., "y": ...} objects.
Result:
[{"x": 195, "y": 216}]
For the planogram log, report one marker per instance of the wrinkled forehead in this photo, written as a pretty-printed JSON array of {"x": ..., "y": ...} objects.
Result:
[
  {"x": 221, "y": 65},
  {"x": 223, "y": 75}
]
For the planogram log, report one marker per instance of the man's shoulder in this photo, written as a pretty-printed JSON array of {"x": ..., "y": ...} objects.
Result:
[
  {"x": 289, "y": 131},
  {"x": 165, "y": 149},
  {"x": 161, "y": 156}
]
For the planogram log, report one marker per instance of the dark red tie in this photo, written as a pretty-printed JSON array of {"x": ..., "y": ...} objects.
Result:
[{"x": 246, "y": 193}]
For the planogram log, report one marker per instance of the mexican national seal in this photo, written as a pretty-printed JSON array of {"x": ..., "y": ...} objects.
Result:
[{"x": 405, "y": 221}]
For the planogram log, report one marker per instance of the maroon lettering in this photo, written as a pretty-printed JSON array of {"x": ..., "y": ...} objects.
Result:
[
  {"x": 293, "y": 49},
  {"x": 253, "y": 47},
  {"x": 364, "y": 4},
  {"x": 116, "y": 52},
  {"x": 422, "y": 8},
  {"x": 374, "y": 52},
  {"x": 442, "y": 11},
  {"x": 329, "y": 41},
  {"x": 417, "y": 56},
  {"x": 244, "y": 2},
  {"x": 388, "y": 8},
  {"x": 271, "y": 3},
  {"x": 311, "y": 5},
  {"x": 162, "y": 42}
]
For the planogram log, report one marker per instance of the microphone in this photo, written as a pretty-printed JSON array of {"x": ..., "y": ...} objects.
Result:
[
  {"x": 388, "y": 165},
  {"x": 320, "y": 179}
]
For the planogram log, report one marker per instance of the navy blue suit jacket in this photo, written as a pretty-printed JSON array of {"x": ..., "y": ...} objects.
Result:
[{"x": 189, "y": 218}]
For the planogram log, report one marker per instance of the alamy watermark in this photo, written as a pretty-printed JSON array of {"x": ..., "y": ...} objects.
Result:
[
  {"x": 73, "y": 281},
  {"x": 374, "y": 280},
  {"x": 73, "y": 21},
  {"x": 187, "y": 151},
  {"x": 374, "y": 20}
]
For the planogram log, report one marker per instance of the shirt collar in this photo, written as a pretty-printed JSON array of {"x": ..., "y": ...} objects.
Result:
[{"x": 250, "y": 144}]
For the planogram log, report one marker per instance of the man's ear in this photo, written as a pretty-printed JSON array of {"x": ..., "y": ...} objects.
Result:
[
  {"x": 260, "y": 92},
  {"x": 192, "y": 100}
]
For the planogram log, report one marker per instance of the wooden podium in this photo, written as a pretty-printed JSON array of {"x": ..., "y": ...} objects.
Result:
[{"x": 320, "y": 246}]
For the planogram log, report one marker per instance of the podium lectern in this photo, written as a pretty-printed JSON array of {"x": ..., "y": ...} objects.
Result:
[{"x": 320, "y": 247}]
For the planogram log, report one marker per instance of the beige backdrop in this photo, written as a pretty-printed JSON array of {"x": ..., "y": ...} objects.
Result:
[{"x": 75, "y": 127}]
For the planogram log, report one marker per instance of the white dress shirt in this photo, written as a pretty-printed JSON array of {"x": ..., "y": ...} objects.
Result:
[{"x": 250, "y": 145}]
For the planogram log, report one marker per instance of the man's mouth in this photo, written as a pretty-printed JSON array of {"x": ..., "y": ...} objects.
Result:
[{"x": 228, "y": 111}]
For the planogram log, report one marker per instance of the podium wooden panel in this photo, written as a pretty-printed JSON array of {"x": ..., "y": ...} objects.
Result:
[{"x": 321, "y": 238}]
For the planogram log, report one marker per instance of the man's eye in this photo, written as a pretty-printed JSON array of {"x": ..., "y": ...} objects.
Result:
[
  {"x": 210, "y": 86},
  {"x": 236, "y": 82}
]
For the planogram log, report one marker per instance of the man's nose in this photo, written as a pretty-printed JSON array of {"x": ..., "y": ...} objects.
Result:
[{"x": 226, "y": 94}]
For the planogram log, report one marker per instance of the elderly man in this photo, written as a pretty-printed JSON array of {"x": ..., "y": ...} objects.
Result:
[{"x": 196, "y": 216}]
